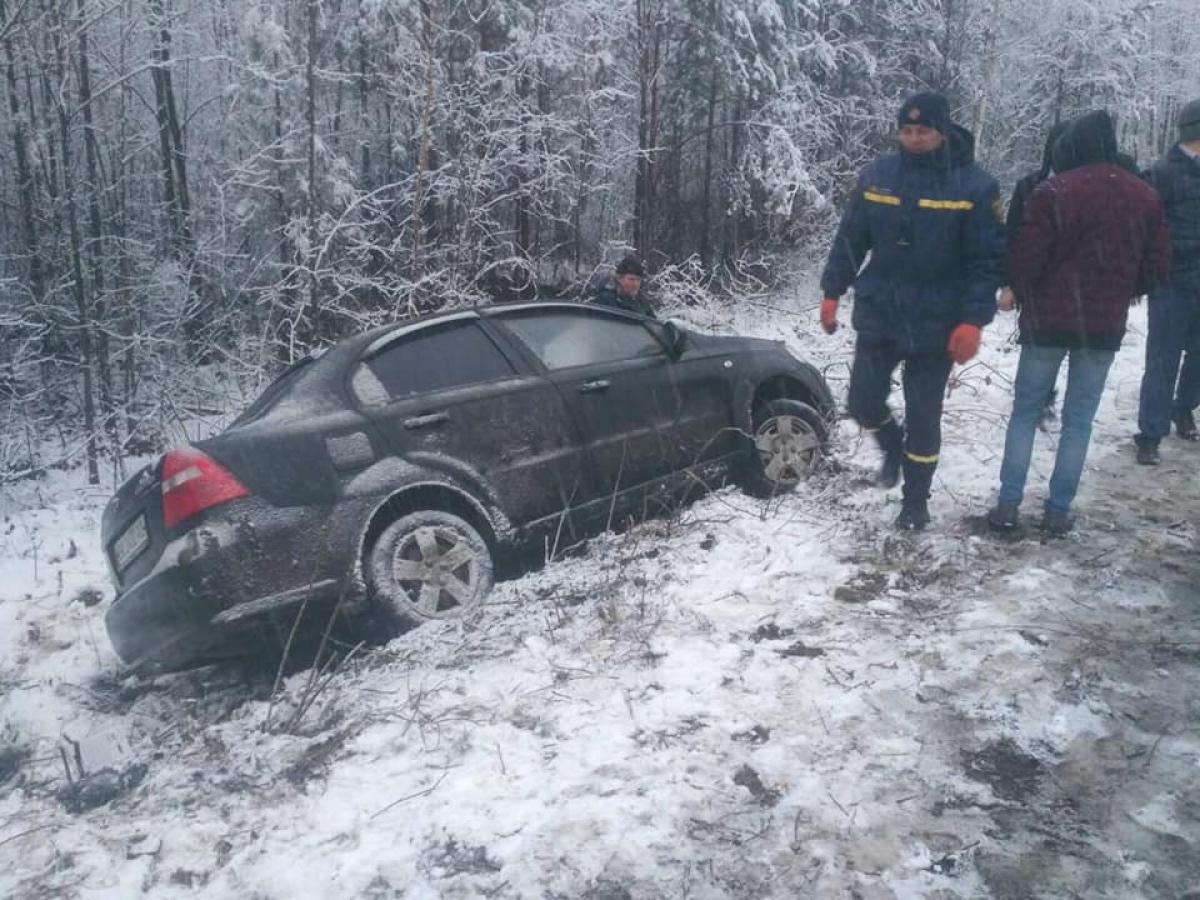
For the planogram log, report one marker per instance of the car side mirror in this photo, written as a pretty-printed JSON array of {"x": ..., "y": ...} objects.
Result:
[{"x": 675, "y": 338}]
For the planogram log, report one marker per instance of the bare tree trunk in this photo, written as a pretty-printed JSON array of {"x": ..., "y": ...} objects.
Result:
[
  {"x": 313, "y": 199},
  {"x": 706, "y": 202},
  {"x": 732, "y": 238},
  {"x": 649, "y": 47},
  {"x": 96, "y": 238},
  {"x": 84, "y": 323},
  {"x": 364, "y": 118},
  {"x": 522, "y": 219},
  {"x": 287, "y": 301},
  {"x": 170, "y": 140},
  {"x": 425, "y": 138},
  {"x": 25, "y": 182},
  {"x": 127, "y": 316},
  {"x": 989, "y": 68}
]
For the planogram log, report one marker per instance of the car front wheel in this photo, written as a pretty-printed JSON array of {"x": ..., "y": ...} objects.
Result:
[
  {"x": 789, "y": 443},
  {"x": 429, "y": 565}
]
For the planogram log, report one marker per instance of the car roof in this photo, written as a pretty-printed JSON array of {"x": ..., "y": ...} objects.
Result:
[{"x": 379, "y": 338}]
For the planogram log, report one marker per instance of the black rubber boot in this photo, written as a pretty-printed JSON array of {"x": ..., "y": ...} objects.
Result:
[
  {"x": 890, "y": 437},
  {"x": 1147, "y": 450},
  {"x": 1004, "y": 517},
  {"x": 1185, "y": 426},
  {"x": 1056, "y": 523},
  {"x": 914, "y": 509}
]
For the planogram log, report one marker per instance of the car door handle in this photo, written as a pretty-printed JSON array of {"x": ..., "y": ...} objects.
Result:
[
  {"x": 431, "y": 421},
  {"x": 594, "y": 387}
]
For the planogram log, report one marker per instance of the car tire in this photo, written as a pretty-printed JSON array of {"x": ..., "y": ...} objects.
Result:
[
  {"x": 428, "y": 565},
  {"x": 788, "y": 444}
]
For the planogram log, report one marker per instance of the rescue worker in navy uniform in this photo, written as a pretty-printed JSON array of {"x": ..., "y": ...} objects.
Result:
[
  {"x": 624, "y": 289},
  {"x": 931, "y": 220}
]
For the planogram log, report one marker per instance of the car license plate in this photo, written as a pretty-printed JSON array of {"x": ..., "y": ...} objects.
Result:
[{"x": 133, "y": 540}]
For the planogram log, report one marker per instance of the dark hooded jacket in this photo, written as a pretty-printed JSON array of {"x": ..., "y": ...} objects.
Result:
[
  {"x": 1176, "y": 178},
  {"x": 931, "y": 224},
  {"x": 1026, "y": 186},
  {"x": 1092, "y": 239}
]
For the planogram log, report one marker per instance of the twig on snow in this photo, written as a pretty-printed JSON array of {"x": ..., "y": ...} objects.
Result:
[
  {"x": 423, "y": 793},
  {"x": 28, "y": 831},
  {"x": 1154, "y": 749},
  {"x": 845, "y": 812},
  {"x": 824, "y": 724}
]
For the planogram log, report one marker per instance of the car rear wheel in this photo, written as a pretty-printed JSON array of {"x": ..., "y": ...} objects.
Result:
[
  {"x": 429, "y": 565},
  {"x": 789, "y": 443}
]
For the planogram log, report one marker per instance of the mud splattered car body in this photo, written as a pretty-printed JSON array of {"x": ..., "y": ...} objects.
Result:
[{"x": 393, "y": 468}]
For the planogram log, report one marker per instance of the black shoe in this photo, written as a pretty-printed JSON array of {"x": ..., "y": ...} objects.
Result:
[
  {"x": 1003, "y": 517},
  {"x": 1147, "y": 450},
  {"x": 890, "y": 437},
  {"x": 889, "y": 470},
  {"x": 914, "y": 516},
  {"x": 1185, "y": 426},
  {"x": 1056, "y": 523}
]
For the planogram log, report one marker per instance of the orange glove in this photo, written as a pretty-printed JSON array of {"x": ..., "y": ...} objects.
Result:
[
  {"x": 829, "y": 320},
  {"x": 964, "y": 342}
]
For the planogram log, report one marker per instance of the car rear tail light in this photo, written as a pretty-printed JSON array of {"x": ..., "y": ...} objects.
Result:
[{"x": 193, "y": 481}]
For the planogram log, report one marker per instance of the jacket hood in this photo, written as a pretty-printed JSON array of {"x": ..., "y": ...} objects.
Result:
[
  {"x": 958, "y": 150},
  {"x": 1056, "y": 131},
  {"x": 1092, "y": 138},
  {"x": 1179, "y": 155}
]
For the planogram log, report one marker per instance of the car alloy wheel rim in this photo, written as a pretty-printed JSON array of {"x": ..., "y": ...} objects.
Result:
[
  {"x": 787, "y": 448},
  {"x": 437, "y": 571}
]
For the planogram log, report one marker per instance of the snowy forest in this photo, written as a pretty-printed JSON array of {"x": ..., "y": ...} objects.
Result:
[
  {"x": 569, "y": 619},
  {"x": 219, "y": 185}
]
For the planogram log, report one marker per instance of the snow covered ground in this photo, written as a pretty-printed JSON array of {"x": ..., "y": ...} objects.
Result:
[{"x": 747, "y": 700}]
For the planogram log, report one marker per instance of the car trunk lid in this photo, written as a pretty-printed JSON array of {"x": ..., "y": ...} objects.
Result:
[{"x": 131, "y": 529}]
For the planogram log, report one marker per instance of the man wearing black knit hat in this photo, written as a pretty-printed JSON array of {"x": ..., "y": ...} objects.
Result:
[
  {"x": 930, "y": 218},
  {"x": 1171, "y": 392},
  {"x": 624, "y": 289}
]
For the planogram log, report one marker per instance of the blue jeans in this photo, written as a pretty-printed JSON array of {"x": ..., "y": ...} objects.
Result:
[
  {"x": 1087, "y": 371},
  {"x": 1174, "y": 333}
]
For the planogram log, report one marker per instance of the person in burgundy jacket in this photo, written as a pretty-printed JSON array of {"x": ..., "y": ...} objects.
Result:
[{"x": 1093, "y": 238}]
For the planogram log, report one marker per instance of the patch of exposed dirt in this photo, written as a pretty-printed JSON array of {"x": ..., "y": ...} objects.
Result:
[
  {"x": 862, "y": 588},
  {"x": 1011, "y": 773}
]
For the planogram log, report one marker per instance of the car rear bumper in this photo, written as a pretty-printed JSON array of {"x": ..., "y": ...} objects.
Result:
[{"x": 215, "y": 593}]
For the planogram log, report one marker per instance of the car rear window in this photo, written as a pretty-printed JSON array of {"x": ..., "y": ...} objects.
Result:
[
  {"x": 275, "y": 392},
  {"x": 433, "y": 359},
  {"x": 565, "y": 338}
]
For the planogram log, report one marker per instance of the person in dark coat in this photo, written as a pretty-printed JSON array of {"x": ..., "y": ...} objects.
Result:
[
  {"x": 1093, "y": 238},
  {"x": 624, "y": 289},
  {"x": 1022, "y": 190},
  {"x": 1026, "y": 185},
  {"x": 1169, "y": 393},
  {"x": 930, "y": 218}
]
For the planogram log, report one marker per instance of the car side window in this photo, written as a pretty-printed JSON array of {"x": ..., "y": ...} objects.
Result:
[
  {"x": 563, "y": 338},
  {"x": 433, "y": 359}
]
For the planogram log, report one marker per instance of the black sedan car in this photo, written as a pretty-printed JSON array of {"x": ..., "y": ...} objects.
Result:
[{"x": 388, "y": 473}]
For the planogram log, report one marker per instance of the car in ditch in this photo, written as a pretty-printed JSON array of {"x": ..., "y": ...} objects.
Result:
[{"x": 388, "y": 474}]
